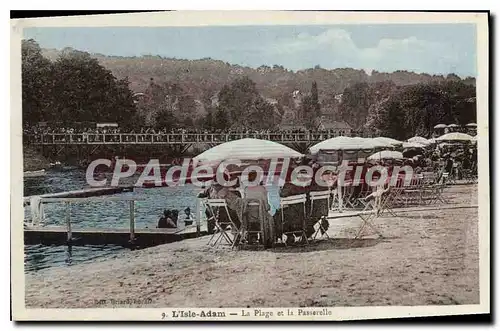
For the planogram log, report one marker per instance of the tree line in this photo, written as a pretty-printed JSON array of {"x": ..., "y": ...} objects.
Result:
[{"x": 75, "y": 87}]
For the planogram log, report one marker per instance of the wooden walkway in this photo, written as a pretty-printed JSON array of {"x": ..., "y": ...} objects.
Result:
[
  {"x": 85, "y": 193},
  {"x": 37, "y": 233},
  {"x": 58, "y": 235}
]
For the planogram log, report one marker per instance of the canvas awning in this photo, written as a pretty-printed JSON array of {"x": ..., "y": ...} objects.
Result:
[
  {"x": 419, "y": 140},
  {"x": 412, "y": 145},
  {"x": 386, "y": 155},
  {"x": 390, "y": 141},
  {"x": 347, "y": 143},
  {"x": 455, "y": 136},
  {"x": 247, "y": 149}
]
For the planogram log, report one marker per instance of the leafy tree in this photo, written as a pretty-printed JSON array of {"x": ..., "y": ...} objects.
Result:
[
  {"x": 358, "y": 98},
  {"x": 311, "y": 108},
  {"x": 37, "y": 83},
  {"x": 243, "y": 106},
  {"x": 220, "y": 120},
  {"x": 416, "y": 109},
  {"x": 74, "y": 88},
  {"x": 86, "y": 91}
]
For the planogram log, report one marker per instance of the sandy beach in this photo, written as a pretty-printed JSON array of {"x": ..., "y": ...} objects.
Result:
[{"x": 426, "y": 258}]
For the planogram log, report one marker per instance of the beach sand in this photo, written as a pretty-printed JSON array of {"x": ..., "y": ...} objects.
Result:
[{"x": 427, "y": 258}]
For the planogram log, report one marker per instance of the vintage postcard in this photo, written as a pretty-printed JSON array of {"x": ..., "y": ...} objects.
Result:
[{"x": 184, "y": 166}]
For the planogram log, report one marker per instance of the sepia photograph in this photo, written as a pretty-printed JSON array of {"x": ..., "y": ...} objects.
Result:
[{"x": 250, "y": 166}]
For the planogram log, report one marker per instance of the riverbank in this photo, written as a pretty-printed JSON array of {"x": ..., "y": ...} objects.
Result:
[{"x": 427, "y": 258}]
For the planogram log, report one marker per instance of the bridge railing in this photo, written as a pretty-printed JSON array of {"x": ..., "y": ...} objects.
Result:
[{"x": 170, "y": 138}]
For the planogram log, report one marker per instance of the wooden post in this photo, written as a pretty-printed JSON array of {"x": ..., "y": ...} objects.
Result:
[
  {"x": 340, "y": 197},
  {"x": 198, "y": 216},
  {"x": 132, "y": 221},
  {"x": 68, "y": 221}
]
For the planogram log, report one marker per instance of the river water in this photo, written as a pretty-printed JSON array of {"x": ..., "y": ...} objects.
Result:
[{"x": 97, "y": 214}]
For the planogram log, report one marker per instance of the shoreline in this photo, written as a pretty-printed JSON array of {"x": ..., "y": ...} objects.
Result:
[{"x": 427, "y": 258}]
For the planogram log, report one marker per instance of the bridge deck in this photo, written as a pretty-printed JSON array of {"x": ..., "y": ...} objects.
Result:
[{"x": 173, "y": 138}]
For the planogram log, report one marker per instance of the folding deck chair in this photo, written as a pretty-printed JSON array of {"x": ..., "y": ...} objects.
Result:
[
  {"x": 470, "y": 176},
  {"x": 248, "y": 228},
  {"x": 215, "y": 206},
  {"x": 439, "y": 188},
  {"x": 368, "y": 218},
  {"x": 319, "y": 196},
  {"x": 413, "y": 192},
  {"x": 287, "y": 202},
  {"x": 388, "y": 198},
  {"x": 348, "y": 196}
]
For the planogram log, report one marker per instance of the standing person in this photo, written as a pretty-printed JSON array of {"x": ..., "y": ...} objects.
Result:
[{"x": 448, "y": 166}]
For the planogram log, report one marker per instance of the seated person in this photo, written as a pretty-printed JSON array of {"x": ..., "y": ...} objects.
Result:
[
  {"x": 167, "y": 220},
  {"x": 254, "y": 191},
  {"x": 188, "y": 216},
  {"x": 258, "y": 192},
  {"x": 233, "y": 200},
  {"x": 175, "y": 216},
  {"x": 293, "y": 215}
]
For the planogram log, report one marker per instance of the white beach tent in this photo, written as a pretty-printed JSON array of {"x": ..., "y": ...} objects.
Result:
[
  {"x": 455, "y": 136},
  {"x": 471, "y": 125},
  {"x": 389, "y": 141},
  {"x": 247, "y": 149},
  {"x": 419, "y": 140},
  {"x": 386, "y": 155}
]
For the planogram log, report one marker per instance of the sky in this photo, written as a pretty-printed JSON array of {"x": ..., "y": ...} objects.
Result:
[{"x": 429, "y": 48}]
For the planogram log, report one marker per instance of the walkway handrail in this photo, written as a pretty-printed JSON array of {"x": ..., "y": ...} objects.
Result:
[
  {"x": 131, "y": 201},
  {"x": 172, "y": 138}
]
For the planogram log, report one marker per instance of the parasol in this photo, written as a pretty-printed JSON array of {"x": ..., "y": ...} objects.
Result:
[
  {"x": 247, "y": 149},
  {"x": 455, "y": 136},
  {"x": 407, "y": 145},
  {"x": 419, "y": 140},
  {"x": 389, "y": 141},
  {"x": 347, "y": 143},
  {"x": 386, "y": 155}
]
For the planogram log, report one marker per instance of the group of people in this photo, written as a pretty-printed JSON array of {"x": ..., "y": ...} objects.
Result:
[
  {"x": 170, "y": 218},
  {"x": 267, "y": 216}
]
